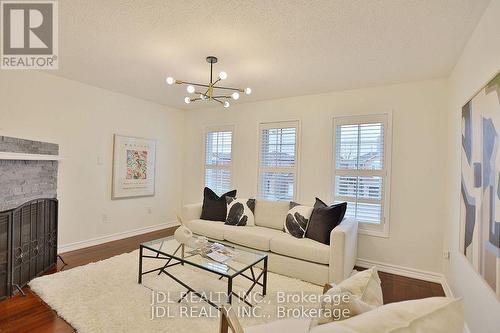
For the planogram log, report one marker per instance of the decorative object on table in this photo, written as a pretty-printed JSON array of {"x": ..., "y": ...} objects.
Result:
[
  {"x": 297, "y": 219},
  {"x": 240, "y": 212},
  {"x": 210, "y": 92},
  {"x": 218, "y": 252},
  {"x": 183, "y": 234},
  {"x": 199, "y": 242},
  {"x": 323, "y": 219},
  {"x": 215, "y": 207},
  {"x": 133, "y": 167},
  {"x": 480, "y": 185}
]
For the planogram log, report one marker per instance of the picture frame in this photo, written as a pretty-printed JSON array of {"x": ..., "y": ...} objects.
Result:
[
  {"x": 134, "y": 167},
  {"x": 480, "y": 183}
]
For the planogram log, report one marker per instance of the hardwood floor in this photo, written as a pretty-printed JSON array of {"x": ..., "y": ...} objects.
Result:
[{"x": 30, "y": 314}]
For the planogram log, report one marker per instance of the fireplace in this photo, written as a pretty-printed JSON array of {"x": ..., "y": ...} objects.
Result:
[
  {"x": 28, "y": 211},
  {"x": 28, "y": 243}
]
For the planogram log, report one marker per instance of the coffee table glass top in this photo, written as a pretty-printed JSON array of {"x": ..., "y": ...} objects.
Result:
[{"x": 239, "y": 262}]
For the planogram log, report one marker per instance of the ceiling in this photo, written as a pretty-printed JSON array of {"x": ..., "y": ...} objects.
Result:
[{"x": 280, "y": 48}]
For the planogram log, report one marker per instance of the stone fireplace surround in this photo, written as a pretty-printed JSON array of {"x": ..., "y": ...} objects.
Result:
[{"x": 25, "y": 180}]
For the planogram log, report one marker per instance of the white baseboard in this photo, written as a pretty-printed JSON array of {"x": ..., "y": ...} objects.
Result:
[
  {"x": 408, "y": 272},
  {"x": 108, "y": 238},
  {"x": 401, "y": 270},
  {"x": 447, "y": 289}
]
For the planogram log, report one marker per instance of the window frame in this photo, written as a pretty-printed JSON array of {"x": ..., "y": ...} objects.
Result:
[
  {"x": 382, "y": 229},
  {"x": 211, "y": 129},
  {"x": 260, "y": 170}
]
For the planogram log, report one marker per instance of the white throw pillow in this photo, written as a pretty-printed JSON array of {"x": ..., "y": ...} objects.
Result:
[
  {"x": 240, "y": 212},
  {"x": 357, "y": 294},
  {"x": 297, "y": 219},
  {"x": 365, "y": 285},
  {"x": 433, "y": 314}
]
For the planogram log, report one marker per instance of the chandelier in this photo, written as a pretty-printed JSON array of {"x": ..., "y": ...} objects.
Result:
[{"x": 211, "y": 91}]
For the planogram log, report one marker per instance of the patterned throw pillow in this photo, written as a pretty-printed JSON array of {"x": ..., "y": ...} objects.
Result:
[
  {"x": 297, "y": 219},
  {"x": 240, "y": 212}
]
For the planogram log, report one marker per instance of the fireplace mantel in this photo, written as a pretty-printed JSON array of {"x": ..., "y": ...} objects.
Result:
[{"x": 28, "y": 157}]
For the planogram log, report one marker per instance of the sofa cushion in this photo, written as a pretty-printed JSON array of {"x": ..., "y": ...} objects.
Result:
[
  {"x": 301, "y": 248},
  {"x": 211, "y": 229},
  {"x": 254, "y": 237},
  {"x": 433, "y": 314},
  {"x": 271, "y": 214}
]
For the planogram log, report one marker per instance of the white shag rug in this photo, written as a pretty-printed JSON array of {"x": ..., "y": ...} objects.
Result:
[{"x": 105, "y": 297}]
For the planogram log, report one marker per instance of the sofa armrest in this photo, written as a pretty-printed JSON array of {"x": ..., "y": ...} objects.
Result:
[
  {"x": 191, "y": 212},
  {"x": 343, "y": 249}
]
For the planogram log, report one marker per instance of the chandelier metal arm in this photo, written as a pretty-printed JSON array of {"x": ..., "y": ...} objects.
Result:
[
  {"x": 221, "y": 97},
  {"x": 230, "y": 88},
  {"x": 217, "y": 100},
  {"x": 192, "y": 83}
]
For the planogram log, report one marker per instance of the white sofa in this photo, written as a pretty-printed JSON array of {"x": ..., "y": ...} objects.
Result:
[{"x": 302, "y": 258}]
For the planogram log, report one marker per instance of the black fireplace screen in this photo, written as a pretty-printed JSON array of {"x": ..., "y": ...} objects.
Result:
[{"x": 28, "y": 243}]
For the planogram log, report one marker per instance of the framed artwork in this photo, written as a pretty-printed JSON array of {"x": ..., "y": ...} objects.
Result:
[
  {"x": 133, "y": 167},
  {"x": 480, "y": 187}
]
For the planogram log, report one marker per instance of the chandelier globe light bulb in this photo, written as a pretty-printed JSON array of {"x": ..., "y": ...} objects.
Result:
[
  {"x": 222, "y": 75},
  {"x": 226, "y": 104},
  {"x": 187, "y": 100},
  {"x": 170, "y": 80},
  {"x": 190, "y": 89},
  {"x": 235, "y": 95},
  {"x": 248, "y": 91}
]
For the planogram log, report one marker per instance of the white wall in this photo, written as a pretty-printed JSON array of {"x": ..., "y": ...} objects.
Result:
[
  {"x": 478, "y": 63},
  {"x": 418, "y": 142},
  {"x": 82, "y": 120}
]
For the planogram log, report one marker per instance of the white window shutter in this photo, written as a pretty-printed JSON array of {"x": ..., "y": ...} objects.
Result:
[
  {"x": 218, "y": 160},
  {"x": 360, "y": 167},
  {"x": 278, "y": 161}
]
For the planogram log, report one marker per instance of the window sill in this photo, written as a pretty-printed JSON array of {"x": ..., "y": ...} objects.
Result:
[{"x": 373, "y": 233}]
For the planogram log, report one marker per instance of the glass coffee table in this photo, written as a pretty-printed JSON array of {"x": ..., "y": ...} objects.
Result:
[{"x": 169, "y": 252}]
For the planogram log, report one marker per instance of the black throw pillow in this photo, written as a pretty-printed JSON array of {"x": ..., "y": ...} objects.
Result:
[
  {"x": 323, "y": 219},
  {"x": 215, "y": 207}
]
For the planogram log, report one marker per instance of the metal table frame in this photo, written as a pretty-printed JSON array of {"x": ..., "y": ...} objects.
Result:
[{"x": 174, "y": 260}]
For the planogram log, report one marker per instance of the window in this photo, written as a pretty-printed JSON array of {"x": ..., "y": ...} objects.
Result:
[
  {"x": 218, "y": 159},
  {"x": 278, "y": 161},
  {"x": 361, "y": 170}
]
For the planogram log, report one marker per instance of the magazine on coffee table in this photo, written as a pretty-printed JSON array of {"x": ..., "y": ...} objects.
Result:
[{"x": 218, "y": 252}]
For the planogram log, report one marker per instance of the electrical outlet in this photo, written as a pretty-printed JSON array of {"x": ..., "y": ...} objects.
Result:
[
  {"x": 446, "y": 255},
  {"x": 104, "y": 218},
  {"x": 150, "y": 210}
]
